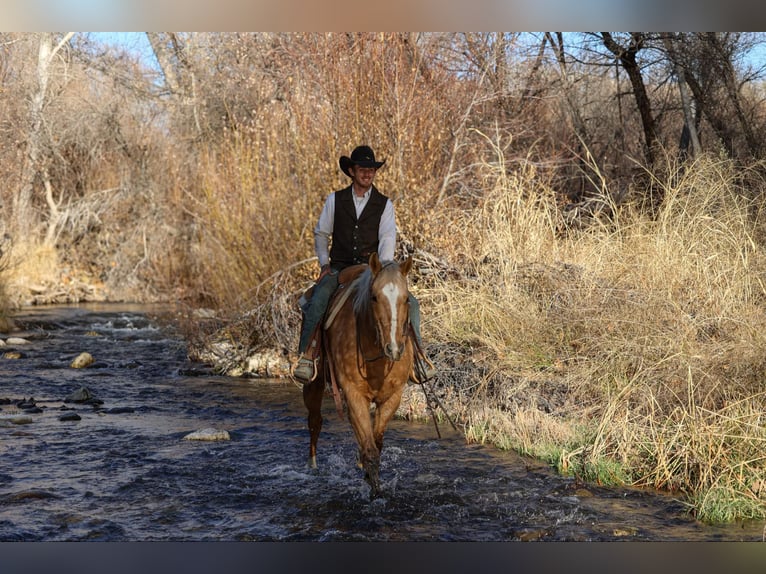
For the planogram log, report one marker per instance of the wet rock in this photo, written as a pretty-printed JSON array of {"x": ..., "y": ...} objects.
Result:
[
  {"x": 208, "y": 434},
  {"x": 119, "y": 410},
  {"x": 12, "y": 355},
  {"x": 132, "y": 364},
  {"x": 26, "y": 403},
  {"x": 33, "y": 410},
  {"x": 82, "y": 360},
  {"x": 16, "y": 341},
  {"x": 195, "y": 372},
  {"x": 16, "y": 419},
  {"x": 81, "y": 395},
  {"x": 30, "y": 495},
  {"x": 70, "y": 416},
  {"x": 2, "y": 343}
]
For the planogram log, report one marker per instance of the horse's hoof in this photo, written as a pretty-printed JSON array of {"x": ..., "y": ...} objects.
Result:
[{"x": 312, "y": 462}]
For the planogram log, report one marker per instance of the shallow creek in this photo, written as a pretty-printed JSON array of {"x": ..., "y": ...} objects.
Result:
[{"x": 124, "y": 472}]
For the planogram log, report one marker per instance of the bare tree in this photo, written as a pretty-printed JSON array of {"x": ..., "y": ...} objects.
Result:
[
  {"x": 37, "y": 162},
  {"x": 707, "y": 62},
  {"x": 177, "y": 66},
  {"x": 627, "y": 56},
  {"x": 689, "y": 136}
]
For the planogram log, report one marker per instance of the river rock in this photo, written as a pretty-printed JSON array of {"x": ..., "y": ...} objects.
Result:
[
  {"x": 70, "y": 416},
  {"x": 208, "y": 434},
  {"x": 82, "y": 360},
  {"x": 81, "y": 395},
  {"x": 12, "y": 355},
  {"x": 119, "y": 410},
  {"x": 33, "y": 494},
  {"x": 16, "y": 341},
  {"x": 16, "y": 419},
  {"x": 26, "y": 403},
  {"x": 2, "y": 343}
]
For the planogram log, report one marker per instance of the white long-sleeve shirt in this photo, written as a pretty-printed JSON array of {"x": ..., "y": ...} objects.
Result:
[{"x": 324, "y": 227}]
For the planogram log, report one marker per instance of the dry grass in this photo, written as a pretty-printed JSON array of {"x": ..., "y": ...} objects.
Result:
[
  {"x": 6, "y": 305},
  {"x": 628, "y": 352}
]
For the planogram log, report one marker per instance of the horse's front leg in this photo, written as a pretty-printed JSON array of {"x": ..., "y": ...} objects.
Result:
[
  {"x": 383, "y": 414},
  {"x": 369, "y": 455},
  {"x": 312, "y": 398}
]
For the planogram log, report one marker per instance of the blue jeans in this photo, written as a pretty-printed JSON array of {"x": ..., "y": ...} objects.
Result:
[{"x": 315, "y": 309}]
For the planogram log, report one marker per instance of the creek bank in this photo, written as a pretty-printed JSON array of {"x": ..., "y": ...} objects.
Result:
[{"x": 467, "y": 384}]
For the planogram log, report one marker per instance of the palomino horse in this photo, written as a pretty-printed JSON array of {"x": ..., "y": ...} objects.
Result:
[{"x": 368, "y": 352}]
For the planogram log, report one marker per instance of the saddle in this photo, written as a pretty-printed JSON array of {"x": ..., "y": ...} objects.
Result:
[{"x": 346, "y": 280}]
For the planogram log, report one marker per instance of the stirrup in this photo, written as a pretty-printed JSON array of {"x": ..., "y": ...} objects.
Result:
[
  {"x": 305, "y": 370},
  {"x": 422, "y": 370}
]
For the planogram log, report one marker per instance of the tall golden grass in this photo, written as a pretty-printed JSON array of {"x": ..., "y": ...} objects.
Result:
[
  {"x": 6, "y": 306},
  {"x": 631, "y": 351}
]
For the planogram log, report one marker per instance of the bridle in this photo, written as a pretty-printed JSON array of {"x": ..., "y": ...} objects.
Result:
[{"x": 382, "y": 355}]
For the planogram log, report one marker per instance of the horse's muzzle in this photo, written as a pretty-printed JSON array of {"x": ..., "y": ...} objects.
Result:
[{"x": 393, "y": 351}]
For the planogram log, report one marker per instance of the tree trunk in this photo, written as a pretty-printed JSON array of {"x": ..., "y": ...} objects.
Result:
[
  {"x": 529, "y": 87},
  {"x": 707, "y": 106},
  {"x": 577, "y": 122},
  {"x": 689, "y": 135},
  {"x": 627, "y": 57},
  {"x": 179, "y": 74},
  {"x": 728, "y": 76}
]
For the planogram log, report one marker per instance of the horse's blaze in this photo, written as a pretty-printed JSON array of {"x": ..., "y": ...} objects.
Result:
[{"x": 391, "y": 293}]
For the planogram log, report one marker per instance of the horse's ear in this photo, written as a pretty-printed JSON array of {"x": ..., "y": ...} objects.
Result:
[
  {"x": 374, "y": 262},
  {"x": 406, "y": 266}
]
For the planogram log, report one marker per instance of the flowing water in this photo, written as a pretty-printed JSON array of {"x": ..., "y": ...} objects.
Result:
[{"x": 124, "y": 472}]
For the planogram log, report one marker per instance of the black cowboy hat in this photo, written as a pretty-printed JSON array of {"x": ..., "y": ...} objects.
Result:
[{"x": 363, "y": 156}]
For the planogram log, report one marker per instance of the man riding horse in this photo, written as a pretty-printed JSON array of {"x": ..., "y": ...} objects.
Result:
[{"x": 360, "y": 221}]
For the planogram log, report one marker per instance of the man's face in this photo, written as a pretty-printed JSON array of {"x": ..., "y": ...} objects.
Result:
[{"x": 362, "y": 176}]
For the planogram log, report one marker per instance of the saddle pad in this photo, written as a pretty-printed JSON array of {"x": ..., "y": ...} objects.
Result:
[{"x": 345, "y": 289}]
